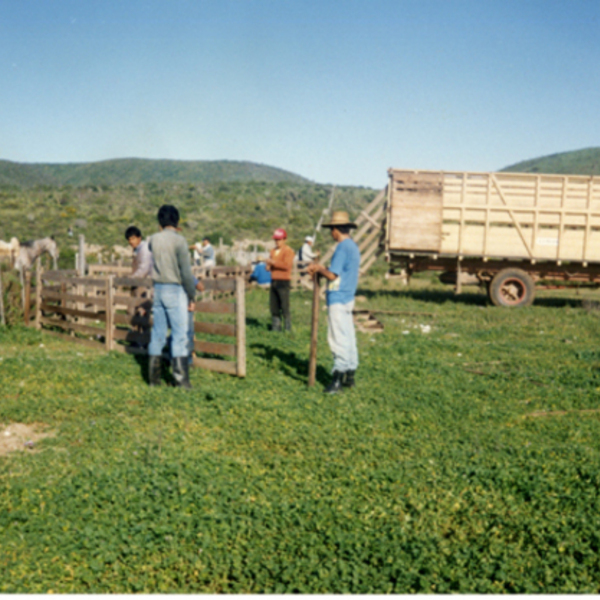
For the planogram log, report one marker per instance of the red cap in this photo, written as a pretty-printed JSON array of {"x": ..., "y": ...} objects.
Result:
[{"x": 279, "y": 234}]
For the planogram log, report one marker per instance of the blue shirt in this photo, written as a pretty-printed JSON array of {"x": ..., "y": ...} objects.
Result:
[
  {"x": 344, "y": 264},
  {"x": 260, "y": 274}
]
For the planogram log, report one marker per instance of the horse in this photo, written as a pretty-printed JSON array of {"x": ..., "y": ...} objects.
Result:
[
  {"x": 30, "y": 251},
  {"x": 10, "y": 250}
]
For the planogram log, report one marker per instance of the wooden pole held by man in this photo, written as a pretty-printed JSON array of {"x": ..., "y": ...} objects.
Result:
[{"x": 314, "y": 332}]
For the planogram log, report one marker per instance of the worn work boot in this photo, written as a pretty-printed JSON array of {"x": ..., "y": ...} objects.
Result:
[
  {"x": 336, "y": 385},
  {"x": 275, "y": 324},
  {"x": 288, "y": 324},
  {"x": 154, "y": 370},
  {"x": 181, "y": 372},
  {"x": 348, "y": 379}
]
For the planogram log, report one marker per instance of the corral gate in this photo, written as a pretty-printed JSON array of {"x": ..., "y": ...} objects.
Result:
[{"x": 115, "y": 313}]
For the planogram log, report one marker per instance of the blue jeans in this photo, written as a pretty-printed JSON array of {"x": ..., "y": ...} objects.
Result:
[
  {"x": 190, "y": 335},
  {"x": 170, "y": 309},
  {"x": 342, "y": 337}
]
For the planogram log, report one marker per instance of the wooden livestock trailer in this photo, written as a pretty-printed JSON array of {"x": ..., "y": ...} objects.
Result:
[
  {"x": 510, "y": 230},
  {"x": 115, "y": 313}
]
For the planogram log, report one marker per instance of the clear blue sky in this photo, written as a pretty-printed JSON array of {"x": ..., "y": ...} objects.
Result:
[{"x": 334, "y": 90}]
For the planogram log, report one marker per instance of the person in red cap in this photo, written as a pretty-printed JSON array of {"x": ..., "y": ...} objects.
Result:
[{"x": 280, "y": 265}]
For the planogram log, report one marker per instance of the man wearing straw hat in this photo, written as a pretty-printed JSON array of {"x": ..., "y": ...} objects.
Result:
[{"x": 342, "y": 281}]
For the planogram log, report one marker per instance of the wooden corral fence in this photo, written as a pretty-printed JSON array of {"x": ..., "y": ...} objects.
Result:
[
  {"x": 114, "y": 312},
  {"x": 117, "y": 270},
  {"x": 210, "y": 275}
]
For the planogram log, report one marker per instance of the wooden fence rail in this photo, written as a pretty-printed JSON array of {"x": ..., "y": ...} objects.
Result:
[{"x": 115, "y": 313}]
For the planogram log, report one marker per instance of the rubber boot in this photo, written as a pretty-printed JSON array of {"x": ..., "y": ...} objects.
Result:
[
  {"x": 275, "y": 324},
  {"x": 336, "y": 385},
  {"x": 154, "y": 370},
  {"x": 181, "y": 372},
  {"x": 288, "y": 323},
  {"x": 348, "y": 379}
]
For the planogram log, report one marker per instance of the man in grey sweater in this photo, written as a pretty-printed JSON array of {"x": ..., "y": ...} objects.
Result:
[{"x": 174, "y": 293}]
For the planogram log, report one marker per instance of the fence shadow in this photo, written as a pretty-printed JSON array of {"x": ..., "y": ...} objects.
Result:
[
  {"x": 257, "y": 323},
  {"x": 294, "y": 367}
]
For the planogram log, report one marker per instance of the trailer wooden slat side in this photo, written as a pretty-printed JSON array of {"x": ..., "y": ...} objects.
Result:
[
  {"x": 494, "y": 219},
  {"x": 539, "y": 217}
]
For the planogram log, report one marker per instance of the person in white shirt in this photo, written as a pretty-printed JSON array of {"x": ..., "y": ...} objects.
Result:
[
  {"x": 197, "y": 253},
  {"x": 306, "y": 253},
  {"x": 208, "y": 254}
]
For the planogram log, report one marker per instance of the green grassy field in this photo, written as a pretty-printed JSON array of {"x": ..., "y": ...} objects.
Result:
[{"x": 467, "y": 459}]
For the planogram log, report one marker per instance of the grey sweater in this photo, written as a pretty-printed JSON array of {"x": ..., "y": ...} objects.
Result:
[{"x": 171, "y": 260}]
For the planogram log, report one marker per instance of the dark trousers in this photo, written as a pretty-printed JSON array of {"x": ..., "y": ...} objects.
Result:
[{"x": 279, "y": 299}]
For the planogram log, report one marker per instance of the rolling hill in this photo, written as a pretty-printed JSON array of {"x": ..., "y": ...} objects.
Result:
[
  {"x": 223, "y": 199},
  {"x": 137, "y": 171},
  {"x": 577, "y": 162},
  {"x": 233, "y": 210}
]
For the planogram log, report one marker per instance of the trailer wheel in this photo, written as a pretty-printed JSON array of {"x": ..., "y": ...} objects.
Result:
[{"x": 512, "y": 287}]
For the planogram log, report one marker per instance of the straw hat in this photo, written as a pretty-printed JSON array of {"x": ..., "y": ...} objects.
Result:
[{"x": 340, "y": 217}]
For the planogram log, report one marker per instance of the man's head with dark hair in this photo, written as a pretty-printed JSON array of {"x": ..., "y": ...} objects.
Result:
[
  {"x": 132, "y": 231},
  {"x": 205, "y": 239},
  {"x": 343, "y": 229},
  {"x": 168, "y": 216}
]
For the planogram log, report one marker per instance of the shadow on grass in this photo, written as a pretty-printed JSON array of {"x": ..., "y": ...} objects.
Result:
[
  {"x": 142, "y": 361},
  {"x": 256, "y": 323},
  {"x": 294, "y": 367},
  {"x": 558, "y": 302},
  {"x": 435, "y": 296},
  {"x": 469, "y": 298}
]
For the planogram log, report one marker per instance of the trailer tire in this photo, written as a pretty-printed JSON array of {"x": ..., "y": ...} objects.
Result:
[{"x": 512, "y": 288}]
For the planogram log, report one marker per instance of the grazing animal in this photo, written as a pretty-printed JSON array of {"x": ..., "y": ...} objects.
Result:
[
  {"x": 30, "y": 251},
  {"x": 10, "y": 249}
]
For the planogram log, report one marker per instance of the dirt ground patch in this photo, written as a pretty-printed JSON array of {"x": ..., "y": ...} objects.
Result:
[{"x": 19, "y": 436}]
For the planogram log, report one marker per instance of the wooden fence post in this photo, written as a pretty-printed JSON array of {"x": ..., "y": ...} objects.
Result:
[
  {"x": 109, "y": 312},
  {"x": 27, "y": 297},
  {"x": 2, "y": 317},
  {"x": 38, "y": 296},
  {"x": 81, "y": 265},
  {"x": 240, "y": 330}
]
